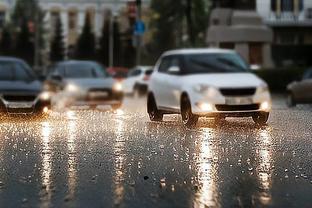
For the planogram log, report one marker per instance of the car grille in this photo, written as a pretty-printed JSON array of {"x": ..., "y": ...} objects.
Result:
[
  {"x": 238, "y": 107},
  {"x": 20, "y": 110},
  {"x": 19, "y": 98},
  {"x": 92, "y": 94},
  {"x": 238, "y": 91}
]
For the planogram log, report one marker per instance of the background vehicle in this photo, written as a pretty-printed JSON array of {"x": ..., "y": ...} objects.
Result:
[
  {"x": 80, "y": 83},
  {"x": 300, "y": 92},
  {"x": 20, "y": 90},
  {"x": 206, "y": 83},
  {"x": 137, "y": 80}
]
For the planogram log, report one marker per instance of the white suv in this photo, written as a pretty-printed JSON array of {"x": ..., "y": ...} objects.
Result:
[{"x": 206, "y": 83}]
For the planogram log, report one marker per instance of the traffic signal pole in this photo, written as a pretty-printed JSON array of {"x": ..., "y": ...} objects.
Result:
[{"x": 138, "y": 36}]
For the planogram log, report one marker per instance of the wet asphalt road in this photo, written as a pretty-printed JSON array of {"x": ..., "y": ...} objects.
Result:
[{"x": 120, "y": 159}]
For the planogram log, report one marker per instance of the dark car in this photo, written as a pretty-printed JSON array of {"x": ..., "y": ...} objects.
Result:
[
  {"x": 84, "y": 83},
  {"x": 300, "y": 92},
  {"x": 20, "y": 90}
]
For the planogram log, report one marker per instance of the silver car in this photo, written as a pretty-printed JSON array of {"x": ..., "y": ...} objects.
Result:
[{"x": 300, "y": 92}]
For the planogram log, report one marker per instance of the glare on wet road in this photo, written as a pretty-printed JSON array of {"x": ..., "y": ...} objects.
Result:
[{"x": 119, "y": 158}]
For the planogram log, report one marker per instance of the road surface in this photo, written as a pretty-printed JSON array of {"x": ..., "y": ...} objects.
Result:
[{"x": 121, "y": 159}]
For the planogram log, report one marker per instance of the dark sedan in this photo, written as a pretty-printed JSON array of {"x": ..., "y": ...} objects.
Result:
[{"x": 20, "y": 90}]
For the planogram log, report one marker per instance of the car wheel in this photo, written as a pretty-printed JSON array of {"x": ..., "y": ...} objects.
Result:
[
  {"x": 153, "y": 112},
  {"x": 116, "y": 106},
  {"x": 261, "y": 118},
  {"x": 290, "y": 100},
  {"x": 188, "y": 118}
]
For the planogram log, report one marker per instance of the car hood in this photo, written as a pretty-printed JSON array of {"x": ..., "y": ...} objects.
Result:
[
  {"x": 33, "y": 87},
  {"x": 229, "y": 80},
  {"x": 91, "y": 83}
]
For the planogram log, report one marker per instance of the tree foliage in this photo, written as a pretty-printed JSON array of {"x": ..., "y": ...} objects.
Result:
[
  {"x": 57, "y": 48},
  {"x": 85, "y": 48},
  {"x": 6, "y": 41},
  {"x": 103, "y": 52},
  {"x": 176, "y": 24}
]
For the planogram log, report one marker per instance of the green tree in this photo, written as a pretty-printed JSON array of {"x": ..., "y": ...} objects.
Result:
[
  {"x": 24, "y": 48},
  {"x": 176, "y": 24},
  {"x": 6, "y": 42},
  {"x": 57, "y": 48},
  {"x": 103, "y": 52},
  {"x": 85, "y": 48},
  {"x": 27, "y": 19},
  {"x": 117, "y": 43}
]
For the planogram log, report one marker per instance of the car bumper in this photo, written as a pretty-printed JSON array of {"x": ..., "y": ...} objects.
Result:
[
  {"x": 239, "y": 106},
  {"x": 35, "y": 107}
]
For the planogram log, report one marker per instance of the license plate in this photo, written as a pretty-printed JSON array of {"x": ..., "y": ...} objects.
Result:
[
  {"x": 20, "y": 105},
  {"x": 98, "y": 94},
  {"x": 238, "y": 101}
]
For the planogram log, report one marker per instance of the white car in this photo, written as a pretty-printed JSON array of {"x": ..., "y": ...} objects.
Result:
[
  {"x": 137, "y": 80},
  {"x": 206, "y": 83}
]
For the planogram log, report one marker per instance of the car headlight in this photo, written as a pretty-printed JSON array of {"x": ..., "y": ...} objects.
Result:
[
  {"x": 263, "y": 89},
  {"x": 206, "y": 90},
  {"x": 117, "y": 86},
  {"x": 45, "y": 96},
  {"x": 71, "y": 88}
]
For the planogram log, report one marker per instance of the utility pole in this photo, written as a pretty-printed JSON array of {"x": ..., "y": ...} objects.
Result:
[
  {"x": 37, "y": 37},
  {"x": 111, "y": 35},
  {"x": 138, "y": 36}
]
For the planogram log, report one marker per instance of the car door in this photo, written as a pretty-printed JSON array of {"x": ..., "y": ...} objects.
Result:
[
  {"x": 173, "y": 83},
  {"x": 159, "y": 82}
]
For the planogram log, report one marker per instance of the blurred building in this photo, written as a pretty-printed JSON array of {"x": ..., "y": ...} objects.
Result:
[
  {"x": 291, "y": 21},
  {"x": 235, "y": 24},
  {"x": 260, "y": 29},
  {"x": 73, "y": 13}
]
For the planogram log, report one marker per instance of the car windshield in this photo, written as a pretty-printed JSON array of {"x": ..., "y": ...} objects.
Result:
[
  {"x": 307, "y": 74},
  {"x": 214, "y": 63},
  {"x": 84, "y": 71},
  {"x": 15, "y": 71}
]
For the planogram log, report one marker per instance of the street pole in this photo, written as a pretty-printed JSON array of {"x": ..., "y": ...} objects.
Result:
[
  {"x": 37, "y": 38},
  {"x": 111, "y": 35},
  {"x": 138, "y": 36}
]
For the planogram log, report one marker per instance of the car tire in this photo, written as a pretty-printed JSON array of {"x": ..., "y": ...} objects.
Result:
[
  {"x": 290, "y": 100},
  {"x": 188, "y": 118},
  {"x": 261, "y": 118},
  {"x": 153, "y": 112}
]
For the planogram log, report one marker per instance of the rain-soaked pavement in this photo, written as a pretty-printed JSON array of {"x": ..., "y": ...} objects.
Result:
[{"x": 120, "y": 159}]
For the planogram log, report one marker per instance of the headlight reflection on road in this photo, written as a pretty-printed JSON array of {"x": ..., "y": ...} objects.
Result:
[
  {"x": 265, "y": 166},
  {"x": 206, "y": 171},
  {"x": 46, "y": 166},
  {"x": 72, "y": 160},
  {"x": 119, "y": 162}
]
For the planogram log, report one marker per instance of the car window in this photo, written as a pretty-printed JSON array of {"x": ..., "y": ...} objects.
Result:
[
  {"x": 22, "y": 73},
  {"x": 10, "y": 70},
  {"x": 82, "y": 71},
  {"x": 307, "y": 75},
  {"x": 213, "y": 63},
  {"x": 135, "y": 72},
  {"x": 6, "y": 71},
  {"x": 165, "y": 64}
]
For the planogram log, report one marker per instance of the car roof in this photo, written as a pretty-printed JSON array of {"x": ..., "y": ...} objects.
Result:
[
  {"x": 13, "y": 59},
  {"x": 70, "y": 62},
  {"x": 197, "y": 51},
  {"x": 144, "y": 68}
]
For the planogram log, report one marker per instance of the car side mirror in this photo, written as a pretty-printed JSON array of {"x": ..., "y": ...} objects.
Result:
[
  {"x": 174, "y": 70},
  {"x": 56, "y": 77}
]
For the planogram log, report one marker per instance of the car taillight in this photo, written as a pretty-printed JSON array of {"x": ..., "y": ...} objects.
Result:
[{"x": 146, "y": 78}]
